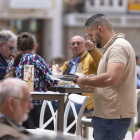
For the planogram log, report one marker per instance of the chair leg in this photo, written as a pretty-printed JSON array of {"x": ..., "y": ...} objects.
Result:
[
  {"x": 133, "y": 128},
  {"x": 85, "y": 132}
]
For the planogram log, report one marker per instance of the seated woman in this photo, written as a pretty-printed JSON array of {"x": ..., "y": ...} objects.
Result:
[{"x": 26, "y": 46}]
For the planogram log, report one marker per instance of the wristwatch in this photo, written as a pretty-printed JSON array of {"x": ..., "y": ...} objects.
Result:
[{"x": 75, "y": 80}]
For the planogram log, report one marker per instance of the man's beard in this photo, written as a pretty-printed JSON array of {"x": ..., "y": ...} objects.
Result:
[
  {"x": 98, "y": 45},
  {"x": 24, "y": 118},
  {"x": 99, "y": 40}
]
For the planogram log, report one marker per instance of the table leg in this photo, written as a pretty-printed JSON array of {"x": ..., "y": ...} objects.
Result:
[{"x": 60, "y": 118}]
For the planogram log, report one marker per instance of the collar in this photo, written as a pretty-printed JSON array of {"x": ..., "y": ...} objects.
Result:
[
  {"x": 119, "y": 35},
  {"x": 82, "y": 55},
  {"x": 6, "y": 117},
  {"x": 77, "y": 60}
]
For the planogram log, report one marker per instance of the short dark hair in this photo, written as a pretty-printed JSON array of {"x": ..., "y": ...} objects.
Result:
[{"x": 98, "y": 20}]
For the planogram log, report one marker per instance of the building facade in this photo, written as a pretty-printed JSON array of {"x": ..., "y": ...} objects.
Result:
[
  {"x": 123, "y": 18},
  {"x": 41, "y": 18}
]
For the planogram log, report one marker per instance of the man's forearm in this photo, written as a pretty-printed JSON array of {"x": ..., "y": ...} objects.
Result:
[{"x": 102, "y": 80}]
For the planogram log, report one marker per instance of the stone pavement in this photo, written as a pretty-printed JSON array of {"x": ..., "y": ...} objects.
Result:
[{"x": 128, "y": 135}]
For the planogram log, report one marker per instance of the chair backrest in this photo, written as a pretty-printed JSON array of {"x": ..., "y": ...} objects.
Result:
[
  {"x": 79, "y": 99},
  {"x": 132, "y": 126},
  {"x": 138, "y": 94},
  {"x": 43, "y": 124}
]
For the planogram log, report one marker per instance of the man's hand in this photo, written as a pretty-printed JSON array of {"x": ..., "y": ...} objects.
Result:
[
  {"x": 12, "y": 56},
  {"x": 84, "y": 86},
  {"x": 88, "y": 44},
  {"x": 75, "y": 80}
]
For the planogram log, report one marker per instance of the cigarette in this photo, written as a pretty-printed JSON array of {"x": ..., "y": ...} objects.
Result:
[{"x": 12, "y": 55}]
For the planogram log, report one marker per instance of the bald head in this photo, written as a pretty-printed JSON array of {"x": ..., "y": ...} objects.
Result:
[
  {"x": 77, "y": 46},
  {"x": 78, "y": 37}
]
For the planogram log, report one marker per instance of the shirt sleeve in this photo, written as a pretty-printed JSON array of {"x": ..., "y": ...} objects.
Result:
[
  {"x": 118, "y": 54},
  {"x": 45, "y": 72},
  {"x": 10, "y": 65}
]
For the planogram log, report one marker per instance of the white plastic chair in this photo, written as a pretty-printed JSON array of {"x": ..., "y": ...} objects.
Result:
[
  {"x": 79, "y": 99},
  {"x": 73, "y": 98},
  {"x": 86, "y": 122},
  {"x": 42, "y": 125}
]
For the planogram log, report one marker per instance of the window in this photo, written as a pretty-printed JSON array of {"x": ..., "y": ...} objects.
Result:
[
  {"x": 120, "y": 3},
  {"x": 110, "y": 2},
  {"x": 91, "y": 2},
  {"x": 101, "y": 2}
]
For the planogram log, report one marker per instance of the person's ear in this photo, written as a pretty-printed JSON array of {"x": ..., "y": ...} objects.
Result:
[
  {"x": 11, "y": 104},
  {"x": 34, "y": 47},
  {"x": 0, "y": 44},
  {"x": 17, "y": 47},
  {"x": 100, "y": 30}
]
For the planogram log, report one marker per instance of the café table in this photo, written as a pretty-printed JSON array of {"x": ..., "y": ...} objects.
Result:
[
  {"x": 67, "y": 89},
  {"x": 53, "y": 96}
]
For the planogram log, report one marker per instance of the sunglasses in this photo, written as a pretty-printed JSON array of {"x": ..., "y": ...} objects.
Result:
[{"x": 78, "y": 43}]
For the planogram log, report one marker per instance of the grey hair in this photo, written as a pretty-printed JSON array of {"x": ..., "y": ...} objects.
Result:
[
  {"x": 10, "y": 87},
  {"x": 7, "y": 35},
  {"x": 98, "y": 20}
]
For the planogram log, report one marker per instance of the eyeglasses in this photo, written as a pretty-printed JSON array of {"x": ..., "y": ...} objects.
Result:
[
  {"x": 10, "y": 47},
  {"x": 78, "y": 43},
  {"x": 26, "y": 100}
]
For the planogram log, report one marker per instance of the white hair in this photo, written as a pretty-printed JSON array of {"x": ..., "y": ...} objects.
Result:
[
  {"x": 7, "y": 35},
  {"x": 10, "y": 87}
]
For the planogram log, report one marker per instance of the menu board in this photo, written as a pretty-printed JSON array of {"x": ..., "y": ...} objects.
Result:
[{"x": 29, "y": 76}]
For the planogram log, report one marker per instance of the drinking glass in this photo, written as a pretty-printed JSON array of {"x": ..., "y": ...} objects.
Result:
[
  {"x": 60, "y": 72},
  {"x": 79, "y": 69}
]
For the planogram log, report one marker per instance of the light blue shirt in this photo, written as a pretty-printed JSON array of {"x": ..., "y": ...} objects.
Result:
[
  {"x": 138, "y": 82},
  {"x": 72, "y": 71}
]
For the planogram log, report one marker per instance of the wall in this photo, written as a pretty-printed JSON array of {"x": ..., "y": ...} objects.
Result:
[{"x": 132, "y": 35}]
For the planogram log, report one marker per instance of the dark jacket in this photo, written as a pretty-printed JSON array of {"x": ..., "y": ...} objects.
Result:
[{"x": 3, "y": 66}]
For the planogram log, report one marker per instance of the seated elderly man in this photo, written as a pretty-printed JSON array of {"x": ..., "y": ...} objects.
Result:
[
  {"x": 84, "y": 52},
  {"x": 7, "y": 46},
  {"x": 15, "y": 104}
]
